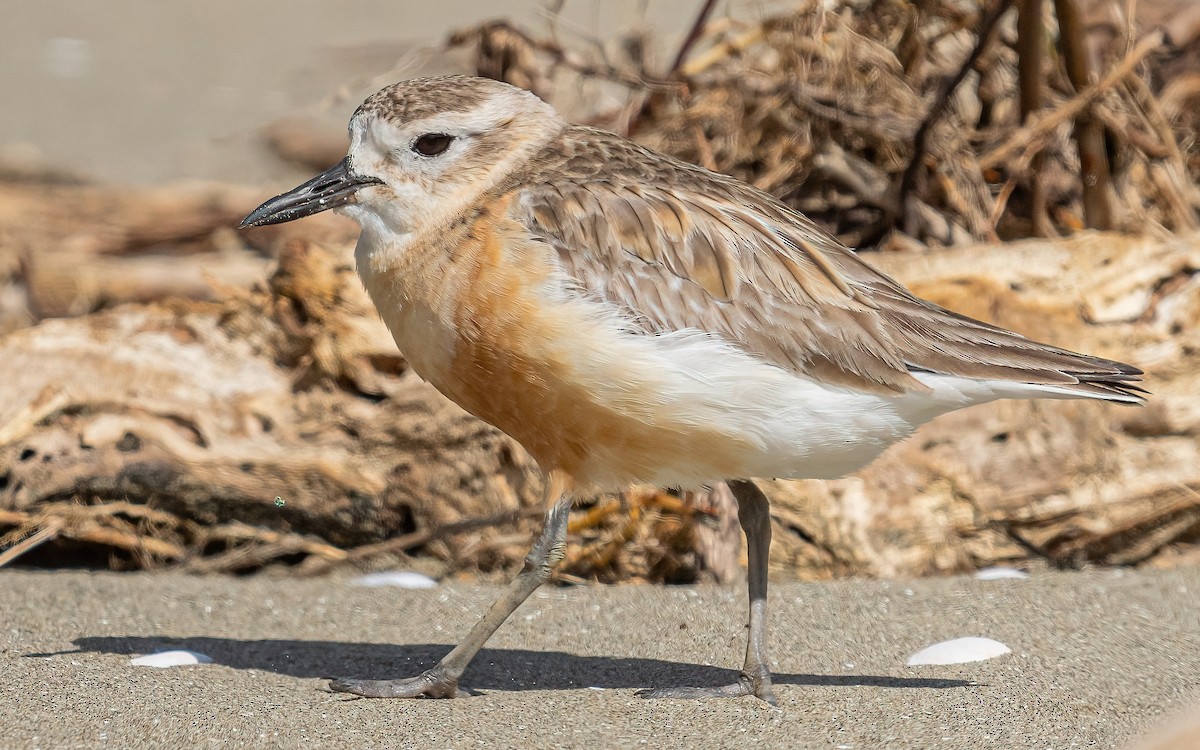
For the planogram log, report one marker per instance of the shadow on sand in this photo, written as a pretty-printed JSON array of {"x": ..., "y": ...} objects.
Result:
[{"x": 492, "y": 669}]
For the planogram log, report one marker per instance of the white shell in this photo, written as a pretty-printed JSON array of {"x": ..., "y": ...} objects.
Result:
[
  {"x": 995, "y": 574},
  {"x": 959, "y": 651},
  {"x": 405, "y": 579},
  {"x": 178, "y": 658}
]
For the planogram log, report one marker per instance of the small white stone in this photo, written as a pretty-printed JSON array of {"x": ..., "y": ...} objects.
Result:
[
  {"x": 997, "y": 573},
  {"x": 959, "y": 651},
  {"x": 177, "y": 658},
  {"x": 405, "y": 579}
]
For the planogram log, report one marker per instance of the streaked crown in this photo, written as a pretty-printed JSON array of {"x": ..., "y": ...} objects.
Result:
[{"x": 436, "y": 144}]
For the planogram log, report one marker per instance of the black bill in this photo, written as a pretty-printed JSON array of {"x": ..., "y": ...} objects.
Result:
[{"x": 330, "y": 189}]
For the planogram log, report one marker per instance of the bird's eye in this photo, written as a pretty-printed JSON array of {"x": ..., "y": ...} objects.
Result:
[{"x": 432, "y": 144}]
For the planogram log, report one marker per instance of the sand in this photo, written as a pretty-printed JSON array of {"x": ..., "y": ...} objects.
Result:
[
  {"x": 1098, "y": 657},
  {"x": 127, "y": 91}
]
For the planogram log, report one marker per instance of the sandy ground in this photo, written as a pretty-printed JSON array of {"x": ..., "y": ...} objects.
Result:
[
  {"x": 1097, "y": 658},
  {"x": 129, "y": 91}
]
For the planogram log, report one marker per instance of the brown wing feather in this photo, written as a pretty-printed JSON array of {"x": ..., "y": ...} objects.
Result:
[{"x": 680, "y": 247}]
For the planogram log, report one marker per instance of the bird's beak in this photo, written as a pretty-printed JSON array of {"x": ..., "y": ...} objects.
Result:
[{"x": 332, "y": 188}]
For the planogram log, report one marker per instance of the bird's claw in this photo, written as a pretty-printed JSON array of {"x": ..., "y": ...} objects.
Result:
[
  {"x": 747, "y": 684},
  {"x": 432, "y": 683}
]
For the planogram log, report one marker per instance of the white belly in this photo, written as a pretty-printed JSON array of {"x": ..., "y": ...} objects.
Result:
[{"x": 780, "y": 425}]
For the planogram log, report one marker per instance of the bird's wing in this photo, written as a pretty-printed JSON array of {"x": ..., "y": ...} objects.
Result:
[{"x": 678, "y": 247}]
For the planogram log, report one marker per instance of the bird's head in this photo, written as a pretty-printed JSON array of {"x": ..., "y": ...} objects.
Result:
[{"x": 421, "y": 151}]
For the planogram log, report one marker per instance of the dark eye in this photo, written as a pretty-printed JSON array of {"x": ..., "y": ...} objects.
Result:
[{"x": 432, "y": 144}]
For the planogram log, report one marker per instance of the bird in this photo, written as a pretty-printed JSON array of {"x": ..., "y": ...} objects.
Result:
[{"x": 630, "y": 318}]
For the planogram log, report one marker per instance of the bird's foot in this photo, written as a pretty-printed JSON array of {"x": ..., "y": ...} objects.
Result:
[
  {"x": 758, "y": 685},
  {"x": 432, "y": 683}
]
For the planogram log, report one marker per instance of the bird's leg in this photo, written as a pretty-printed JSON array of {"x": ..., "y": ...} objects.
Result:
[
  {"x": 755, "y": 515},
  {"x": 755, "y": 679},
  {"x": 441, "y": 681}
]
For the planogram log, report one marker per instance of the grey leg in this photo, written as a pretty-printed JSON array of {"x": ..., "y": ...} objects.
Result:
[
  {"x": 441, "y": 681},
  {"x": 755, "y": 679}
]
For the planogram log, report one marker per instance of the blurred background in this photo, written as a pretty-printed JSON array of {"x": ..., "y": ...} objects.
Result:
[
  {"x": 135, "y": 92},
  {"x": 176, "y": 394}
]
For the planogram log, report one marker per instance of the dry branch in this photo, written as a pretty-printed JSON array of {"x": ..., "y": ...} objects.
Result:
[
  {"x": 1016, "y": 146},
  {"x": 1089, "y": 135}
]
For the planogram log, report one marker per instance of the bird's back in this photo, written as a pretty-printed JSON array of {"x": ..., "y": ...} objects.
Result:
[{"x": 678, "y": 247}]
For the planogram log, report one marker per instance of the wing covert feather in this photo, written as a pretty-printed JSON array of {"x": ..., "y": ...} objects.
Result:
[{"x": 678, "y": 247}]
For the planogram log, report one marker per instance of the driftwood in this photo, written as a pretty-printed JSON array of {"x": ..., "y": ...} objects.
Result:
[
  {"x": 280, "y": 426},
  {"x": 211, "y": 411},
  {"x": 71, "y": 248},
  {"x": 1068, "y": 482},
  {"x": 161, "y": 406}
]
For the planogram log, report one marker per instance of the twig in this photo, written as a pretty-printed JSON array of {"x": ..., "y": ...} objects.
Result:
[
  {"x": 1002, "y": 199},
  {"x": 704, "y": 152},
  {"x": 921, "y": 140},
  {"x": 692, "y": 37},
  {"x": 419, "y": 538},
  {"x": 39, "y": 537},
  {"x": 720, "y": 52},
  {"x": 874, "y": 122},
  {"x": 1031, "y": 38},
  {"x": 1089, "y": 135},
  {"x": 294, "y": 542},
  {"x": 602, "y": 556},
  {"x": 1169, "y": 181},
  {"x": 47, "y": 402},
  {"x": 131, "y": 542},
  {"x": 258, "y": 554},
  {"x": 566, "y": 58},
  {"x": 1044, "y": 124},
  {"x": 1152, "y": 113},
  {"x": 1185, "y": 196},
  {"x": 652, "y": 98},
  {"x": 594, "y": 516}
]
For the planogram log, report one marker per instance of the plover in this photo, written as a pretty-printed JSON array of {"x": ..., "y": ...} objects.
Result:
[{"x": 631, "y": 318}]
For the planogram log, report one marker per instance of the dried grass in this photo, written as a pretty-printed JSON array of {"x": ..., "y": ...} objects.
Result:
[{"x": 885, "y": 117}]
